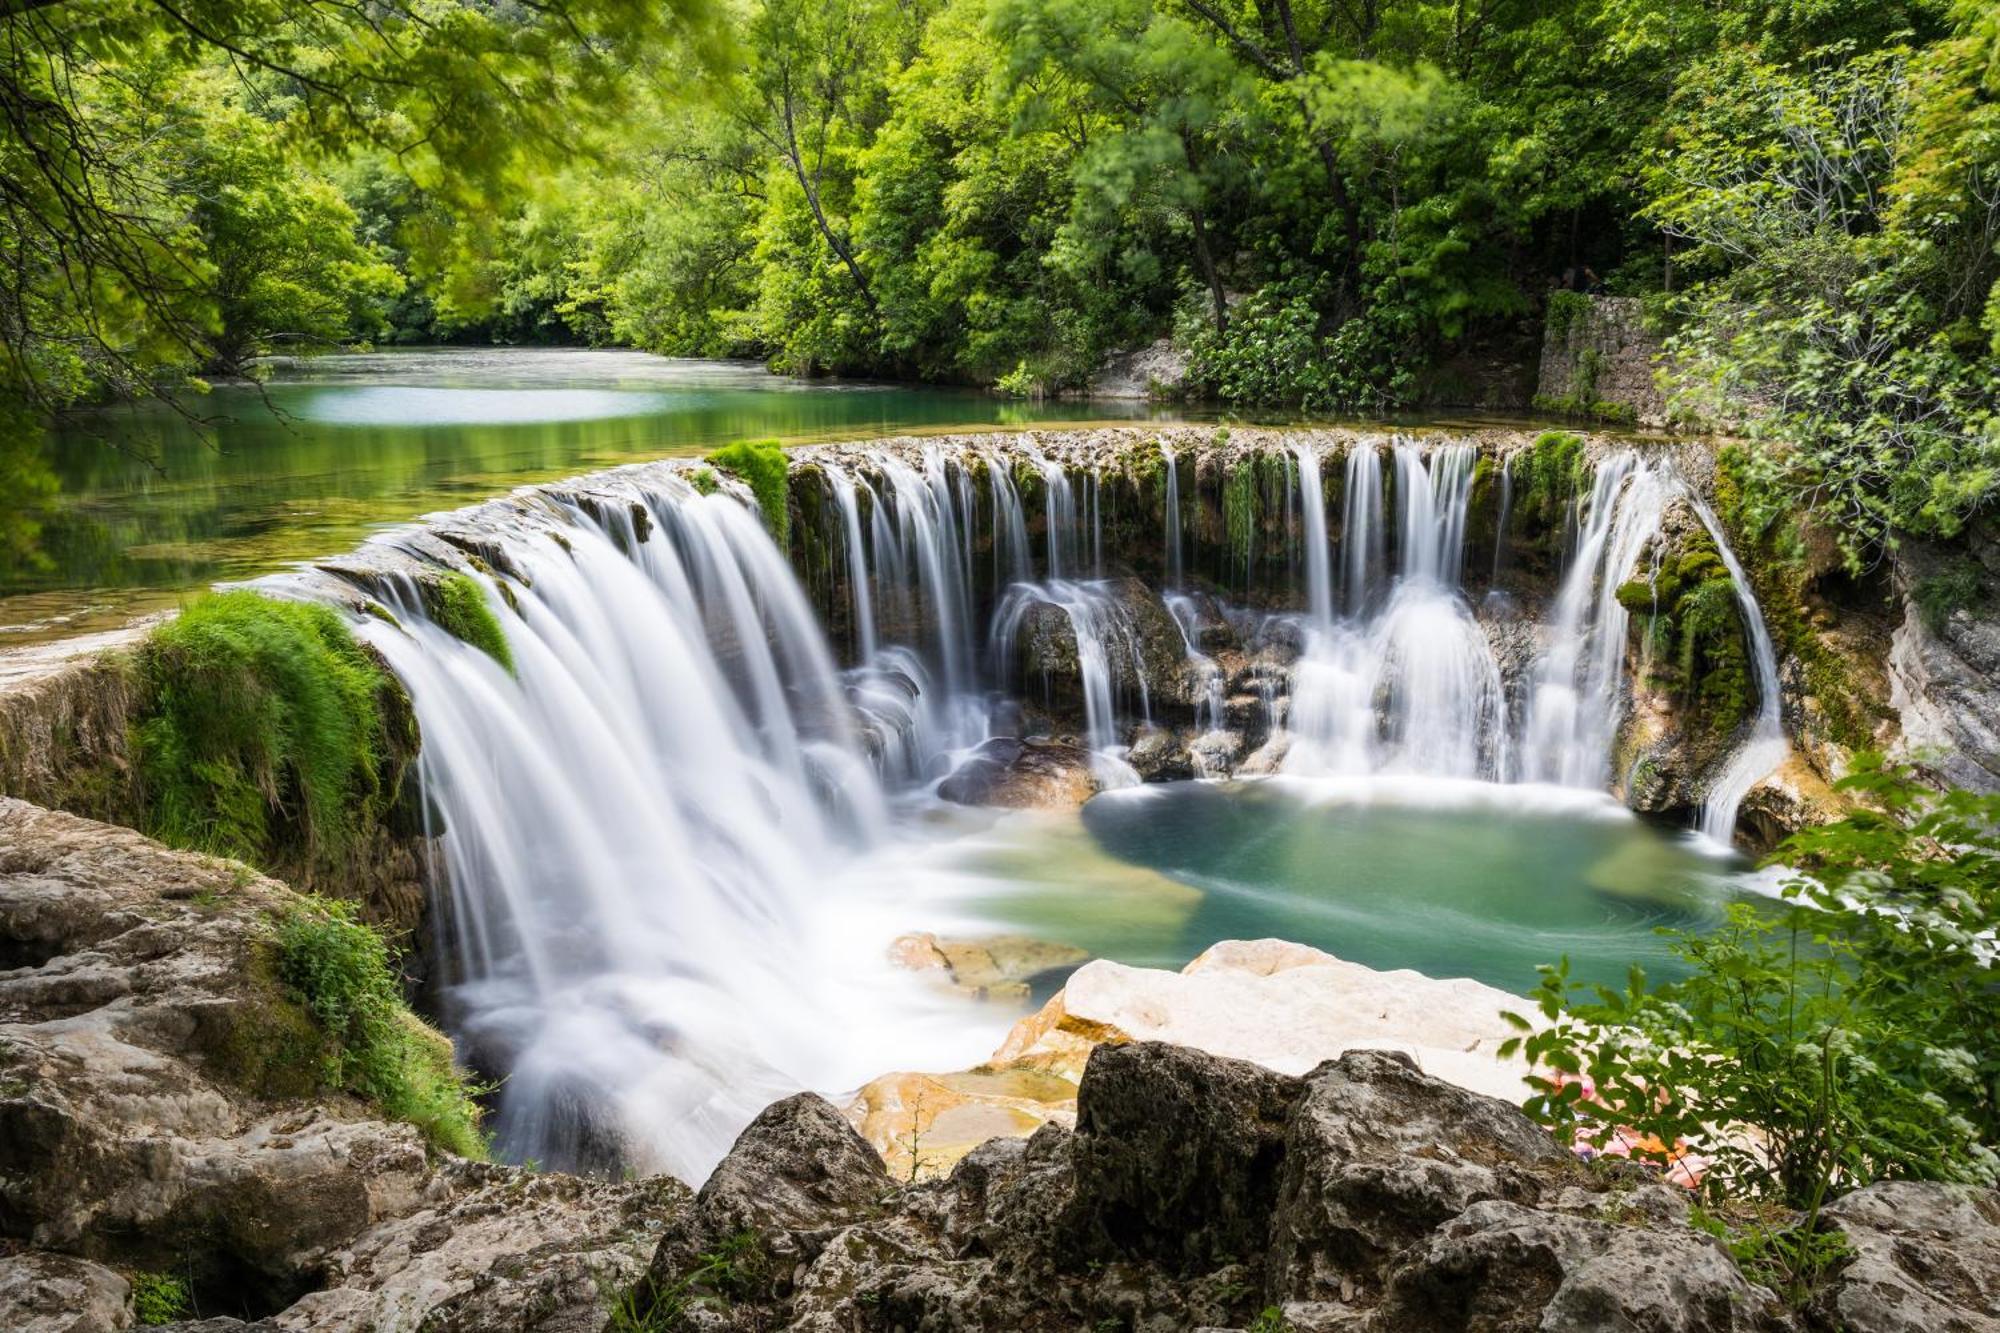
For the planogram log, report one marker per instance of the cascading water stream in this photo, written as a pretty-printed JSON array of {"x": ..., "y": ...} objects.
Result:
[
  {"x": 637, "y": 822},
  {"x": 1766, "y": 746},
  {"x": 629, "y": 825},
  {"x": 1577, "y": 692}
]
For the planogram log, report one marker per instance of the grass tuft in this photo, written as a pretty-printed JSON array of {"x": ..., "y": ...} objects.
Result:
[
  {"x": 337, "y": 968},
  {"x": 458, "y": 606}
]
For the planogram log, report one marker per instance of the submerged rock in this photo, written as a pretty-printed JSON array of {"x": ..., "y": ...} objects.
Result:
[{"x": 999, "y": 967}]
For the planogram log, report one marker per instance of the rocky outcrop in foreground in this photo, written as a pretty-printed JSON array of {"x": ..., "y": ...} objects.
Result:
[
  {"x": 1200, "y": 1192},
  {"x": 160, "y": 1117}
]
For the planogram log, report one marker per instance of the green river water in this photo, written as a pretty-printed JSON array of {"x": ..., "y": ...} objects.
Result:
[{"x": 154, "y": 504}]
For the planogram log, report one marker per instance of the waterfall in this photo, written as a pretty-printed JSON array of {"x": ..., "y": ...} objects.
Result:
[
  {"x": 1506, "y": 512},
  {"x": 1187, "y": 619},
  {"x": 1361, "y": 532},
  {"x": 856, "y": 565},
  {"x": 1106, "y": 647},
  {"x": 632, "y": 824},
  {"x": 1012, "y": 558},
  {"x": 1766, "y": 747},
  {"x": 639, "y": 824},
  {"x": 1319, "y": 556},
  {"x": 1577, "y": 694},
  {"x": 1412, "y": 687},
  {"x": 648, "y": 829}
]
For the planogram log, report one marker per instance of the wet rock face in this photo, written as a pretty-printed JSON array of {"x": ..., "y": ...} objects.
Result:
[
  {"x": 1023, "y": 775},
  {"x": 1198, "y": 1192}
]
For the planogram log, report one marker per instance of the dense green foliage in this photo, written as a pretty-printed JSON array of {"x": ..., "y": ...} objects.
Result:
[
  {"x": 1848, "y": 1034},
  {"x": 339, "y": 970},
  {"x": 262, "y": 735},
  {"x": 762, "y": 465},
  {"x": 159, "y": 1298},
  {"x": 458, "y": 605},
  {"x": 1329, "y": 206}
]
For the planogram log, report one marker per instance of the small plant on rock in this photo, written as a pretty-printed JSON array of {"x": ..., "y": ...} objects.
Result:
[
  {"x": 337, "y": 968},
  {"x": 1848, "y": 1034},
  {"x": 158, "y": 1298}
]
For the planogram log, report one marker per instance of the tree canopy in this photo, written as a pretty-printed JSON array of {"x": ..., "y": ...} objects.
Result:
[{"x": 1334, "y": 205}]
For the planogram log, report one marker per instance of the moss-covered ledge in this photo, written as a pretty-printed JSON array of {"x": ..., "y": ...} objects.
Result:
[{"x": 245, "y": 726}]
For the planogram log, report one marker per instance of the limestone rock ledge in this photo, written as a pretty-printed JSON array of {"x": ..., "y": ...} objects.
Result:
[
  {"x": 156, "y": 1117},
  {"x": 1284, "y": 1006}
]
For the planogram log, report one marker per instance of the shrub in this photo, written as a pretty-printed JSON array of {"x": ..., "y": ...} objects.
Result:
[
  {"x": 1847, "y": 1034},
  {"x": 338, "y": 969},
  {"x": 762, "y": 464},
  {"x": 262, "y": 729},
  {"x": 1273, "y": 354},
  {"x": 158, "y": 1298},
  {"x": 458, "y": 606}
]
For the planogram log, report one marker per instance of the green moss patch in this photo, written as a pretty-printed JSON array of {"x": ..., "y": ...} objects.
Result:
[
  {"x": 1694, "y": 628},
  {"x": 1548, "y": 475},
  {"x": 262, "y": 735},
  {"x": 337, "y": 970},
  {"x": 763, "y": 466},
  {"x": 458, "y": 606}
]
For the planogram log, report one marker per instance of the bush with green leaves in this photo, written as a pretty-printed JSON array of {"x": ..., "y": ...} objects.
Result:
[
  {"x": 159, "y": 1298},
  {"x": 338, "y": 969},
  {"x": 1273, "y": 353},
  {"x": 1847, "y": 1033},
  {"x": 262, "y": 733}
]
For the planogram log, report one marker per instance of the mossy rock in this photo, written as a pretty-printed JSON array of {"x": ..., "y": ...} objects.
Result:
[
  {"x": 266, "y": 732},
  {"x": 265, "y": 1043},
  {"x": 457, "y": 605},
  {"x": 762, "y": 465}
]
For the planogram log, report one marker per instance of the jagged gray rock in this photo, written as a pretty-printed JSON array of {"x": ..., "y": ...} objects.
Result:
[
  {"x": 1197, "y": 1192},
  {"x": 1926, "y": 1259},
  {"x": 57, "y": 1293}
]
